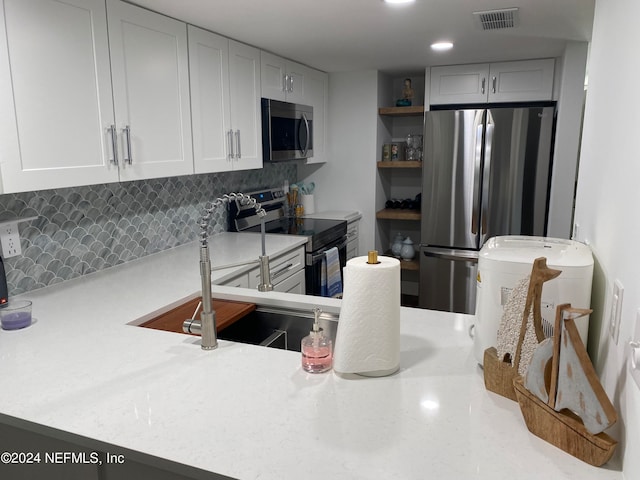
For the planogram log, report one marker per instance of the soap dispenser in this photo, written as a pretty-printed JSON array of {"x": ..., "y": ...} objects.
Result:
[{"x": 316, "y": 348}]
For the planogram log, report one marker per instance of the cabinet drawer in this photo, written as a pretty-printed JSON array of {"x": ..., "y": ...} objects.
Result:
[
  {"x": 241, "y": 281},
  {"x": 292, "y": 284},
  {"x": 281, "y": 267}
]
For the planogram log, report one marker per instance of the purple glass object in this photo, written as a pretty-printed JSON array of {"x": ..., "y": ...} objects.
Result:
[{"x": 16, "y": 320}]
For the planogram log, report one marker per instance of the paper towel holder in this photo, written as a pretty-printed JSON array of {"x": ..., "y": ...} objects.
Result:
[{"x": 372, "y": 257}]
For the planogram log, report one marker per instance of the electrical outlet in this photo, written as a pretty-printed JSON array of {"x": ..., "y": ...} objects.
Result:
[
  {"x": 616, "y": 311},
  {"x": 10, "y": 238}
]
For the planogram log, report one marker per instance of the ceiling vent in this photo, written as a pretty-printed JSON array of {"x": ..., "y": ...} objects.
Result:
[{"x": 497, "y": 19}]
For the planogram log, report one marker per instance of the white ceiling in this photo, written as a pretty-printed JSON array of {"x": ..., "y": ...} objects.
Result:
[{"x": 343, "y": 35}]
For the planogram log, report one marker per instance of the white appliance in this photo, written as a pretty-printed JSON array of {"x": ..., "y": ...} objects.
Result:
[{"x": 504, "y": 261}]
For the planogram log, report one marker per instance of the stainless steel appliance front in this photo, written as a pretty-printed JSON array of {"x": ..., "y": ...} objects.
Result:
[
  {"x": 287, "y": 131},
  {"x": 486, "y": 173}
]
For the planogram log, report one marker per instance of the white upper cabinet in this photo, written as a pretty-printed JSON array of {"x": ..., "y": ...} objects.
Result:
[
  {"x": 529, "y": 80},
  {"x": 150, "y": 73},
  {"x": 317, "y": 95},
  {"x": 244, "y": 97},
  {"x": 282, "y": 79},
  {"x": 84, "y": 104},
  {"x": 209, "y": 76},
  {"x": 225, "y": 96},
  {"x": 55, "y": 95}
]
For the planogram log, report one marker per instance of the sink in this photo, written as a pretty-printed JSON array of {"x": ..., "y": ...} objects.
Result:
[{"x": 278, "y": 327}]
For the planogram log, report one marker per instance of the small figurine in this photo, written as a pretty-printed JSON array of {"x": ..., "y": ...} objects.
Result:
[{"x": 407, "y": 94}]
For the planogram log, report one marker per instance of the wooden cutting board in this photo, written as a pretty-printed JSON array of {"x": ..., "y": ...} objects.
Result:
[{"x": 227, "y": 312}]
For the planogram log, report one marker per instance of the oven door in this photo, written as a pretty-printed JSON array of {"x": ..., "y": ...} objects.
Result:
[{"x": 313, "y": 265}]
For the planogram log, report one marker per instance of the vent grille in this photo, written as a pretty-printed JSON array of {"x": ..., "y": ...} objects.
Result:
[{"x": 497, "y": 19}]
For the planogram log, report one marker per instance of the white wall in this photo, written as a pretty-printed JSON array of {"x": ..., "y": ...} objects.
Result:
[
  {"x": 347, "y": 181},
  {"x": 608, "y": 201}
]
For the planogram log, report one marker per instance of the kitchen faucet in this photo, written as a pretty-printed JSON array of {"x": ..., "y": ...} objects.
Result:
[{"x": 206, "y": 326}]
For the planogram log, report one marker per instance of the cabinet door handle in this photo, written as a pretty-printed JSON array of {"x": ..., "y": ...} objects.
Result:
[
  {"x": 285, "y": 83},
  {"x": 482, "y": 85},
  {"x": 493, "y": 84},
  {"x": 114, "y": 144},
  {"x": 291, "y": 83},
  {"x": 127, "y": 133},
  {"x": 239, "y": 154},
  {"x": 230, "y": 139}
]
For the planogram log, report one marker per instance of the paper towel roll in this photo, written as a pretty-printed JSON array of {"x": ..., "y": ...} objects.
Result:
[{"x": 368, "y": 336}]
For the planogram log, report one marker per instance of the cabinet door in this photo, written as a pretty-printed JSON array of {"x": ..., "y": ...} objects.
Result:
[
  {"x": 55, "y": 95},
  {"x": 244, "y": 90},
  {"x": 530, "y": 80},
  {"x": 294, "y": 284},
  {"x": 297, "y": 83},
  {"x": 209, "y": 78},
  {"x": 459, "y": 84},
  {"x": 151, "y": 92},
  {"x": 272, "y": 73},
  {"x": 317, "y": 95}
]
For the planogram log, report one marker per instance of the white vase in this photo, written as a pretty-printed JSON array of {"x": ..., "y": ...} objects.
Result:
[
  {"x": 407, "y": 252},
  {"x": 396, "y": 246}
]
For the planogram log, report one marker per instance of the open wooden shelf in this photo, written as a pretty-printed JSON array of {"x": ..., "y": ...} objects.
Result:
[
  {"x": 399, "y": 214},
  {"x": 413, "y": 110},
  {"x": 401, "y": 164},
  {"x": 412, "y": 265}
]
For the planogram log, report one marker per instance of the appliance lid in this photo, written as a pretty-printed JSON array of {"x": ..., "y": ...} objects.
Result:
[{"x": 523, "y": 249}]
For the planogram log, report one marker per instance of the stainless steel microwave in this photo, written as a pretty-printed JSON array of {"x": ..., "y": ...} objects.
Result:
[{"x": 287, "y": 131}]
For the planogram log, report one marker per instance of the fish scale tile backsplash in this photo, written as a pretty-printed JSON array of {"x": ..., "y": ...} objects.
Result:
[{"x": 86, "y": 229}]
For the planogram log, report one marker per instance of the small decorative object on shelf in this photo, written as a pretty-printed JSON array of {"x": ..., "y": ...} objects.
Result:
[
  {"x": 407, "y": 252},
  {"x": 396, "y": 246},
  {"x": 407, "y": 94}
]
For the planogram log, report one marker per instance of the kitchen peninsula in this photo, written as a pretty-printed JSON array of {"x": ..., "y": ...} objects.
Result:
[{"x": 84, "y": 374}]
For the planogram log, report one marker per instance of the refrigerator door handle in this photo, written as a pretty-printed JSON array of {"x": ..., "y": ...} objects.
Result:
[
  {"x": 486, "y": 178},
  {"x": 477, "y": 162},
  {"x": 448, "y": 254}
]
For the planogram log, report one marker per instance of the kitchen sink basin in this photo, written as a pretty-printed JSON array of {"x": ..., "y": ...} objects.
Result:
[{"x": 278, "y": 328}]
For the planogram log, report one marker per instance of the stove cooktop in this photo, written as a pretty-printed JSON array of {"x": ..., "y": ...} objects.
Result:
[{"x": 321, "y": 232}]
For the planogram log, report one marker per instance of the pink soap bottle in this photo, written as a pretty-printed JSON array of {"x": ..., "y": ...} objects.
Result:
[{"x": 317, "y": 349}]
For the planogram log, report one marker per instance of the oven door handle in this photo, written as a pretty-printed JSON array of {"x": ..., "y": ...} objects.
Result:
[{"x": 320, "y": 255}]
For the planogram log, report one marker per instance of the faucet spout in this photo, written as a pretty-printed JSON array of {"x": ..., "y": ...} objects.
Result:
[{"x": 208, "y": 315}]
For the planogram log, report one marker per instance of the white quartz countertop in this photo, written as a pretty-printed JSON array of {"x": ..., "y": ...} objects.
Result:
[
  {"x": 251, "y": 412},
  {"x": 348, "y": 215}
]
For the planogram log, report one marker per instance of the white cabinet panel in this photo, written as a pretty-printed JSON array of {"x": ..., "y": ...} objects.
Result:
[
  {"x": 244, "y": 88},
  {"x": 241, "y": 281},
  {"x": 459, "y": 84},
  {"x": 55, "y": 94},
  {"x": 528, "y": 80},
  {"x": 150, "y": 77},
  {"x": 282, "y": 79},
  {"x": 209, "y": 77},
  {"x": 281, "y": 267},
  {"x": 317, "y": 95},
  {"x": 293, "y": 284}
]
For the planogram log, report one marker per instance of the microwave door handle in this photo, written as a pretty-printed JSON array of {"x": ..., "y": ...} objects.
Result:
[{"x": 306, "y": 126}]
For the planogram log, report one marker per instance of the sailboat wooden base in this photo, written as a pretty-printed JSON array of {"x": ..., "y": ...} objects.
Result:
[
  {"x": 563, "y": 429},
  {"x": 498, "y": 375}
]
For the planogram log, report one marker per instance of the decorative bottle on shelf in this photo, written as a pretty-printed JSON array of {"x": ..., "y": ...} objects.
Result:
[
  {"x": 396, "y": 246},
  {"x": 407, "y": 252},
  {"x": 316, "y": 348}
]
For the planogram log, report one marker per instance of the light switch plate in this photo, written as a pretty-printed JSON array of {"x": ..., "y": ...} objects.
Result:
[
  {"x": 616, "y": 311},
  {"x": 634, "y": 355}
]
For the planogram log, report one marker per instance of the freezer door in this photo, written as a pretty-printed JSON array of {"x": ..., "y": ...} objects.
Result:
[
  {"x": 451, "y": 178},
  {"x": 448, "y": 280},
  {"x": 516, "y": 171}
]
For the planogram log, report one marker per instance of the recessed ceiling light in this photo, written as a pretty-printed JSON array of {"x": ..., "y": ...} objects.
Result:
[
  {"x": 398, "y": 2},
  {"x": 442, "y": 46}
]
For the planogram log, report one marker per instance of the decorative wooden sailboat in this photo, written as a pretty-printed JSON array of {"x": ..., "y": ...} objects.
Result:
[
  {"x": 519, "y": 333},
  {"x": 561, "y": 398}
]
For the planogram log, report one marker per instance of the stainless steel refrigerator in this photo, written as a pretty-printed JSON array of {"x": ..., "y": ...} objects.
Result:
[{"x": 486, "y": 172}]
